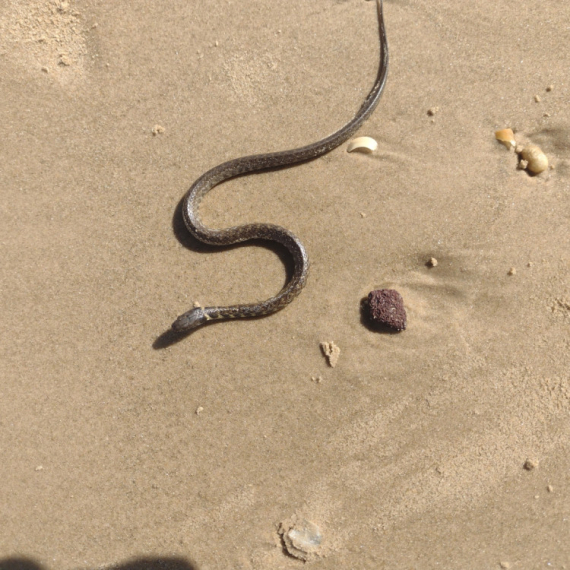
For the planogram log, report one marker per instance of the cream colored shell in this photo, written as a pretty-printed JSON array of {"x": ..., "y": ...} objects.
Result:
[
  {"x": 363, "y": 144},
  {"x": 537, "y": 161}
]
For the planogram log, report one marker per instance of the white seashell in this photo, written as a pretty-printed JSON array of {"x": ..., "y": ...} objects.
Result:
[
  {"x": 363, "y": 144},
  {"x": 302, "y": 538}
]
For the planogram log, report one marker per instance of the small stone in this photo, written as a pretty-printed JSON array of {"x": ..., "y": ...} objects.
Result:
[
  {"x": 386, "y": 307},
  {"x": 199, "y": 410},
  {"x": 362, "y": 215},
  {"x": 432, "y": 262},
  {"x": 157, "y": 130},
  {"x": 530, "y": 264},
  {"x": 537, "y": 98},
  {"x": 505, "y": 565},
  {"x": 39, "y": 468},
  {"x": 546, "y": 115},
  {"x": 523, "y": 164},
  {"x": 512, "y": 271},
  {"x": 550, "y": 488},
  {"x": 431, "y": 112},
  {"x": 550, "y": 88},
  {"x": 331, "y": 351},
  {"x": 530, "y": 464},
  {"x": 317, "y": 379},
  {"x": 519, "y": 148},
  {"x": 45, "y": 69}
]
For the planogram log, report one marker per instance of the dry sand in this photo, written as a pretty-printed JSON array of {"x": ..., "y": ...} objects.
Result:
[{"x": 120, "y": 449}]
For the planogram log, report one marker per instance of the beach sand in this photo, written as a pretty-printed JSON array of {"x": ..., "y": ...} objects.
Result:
[{"x": 121, "y": 448}]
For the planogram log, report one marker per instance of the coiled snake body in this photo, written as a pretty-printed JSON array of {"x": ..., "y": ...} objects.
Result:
[{"x": 200, "y": 315}]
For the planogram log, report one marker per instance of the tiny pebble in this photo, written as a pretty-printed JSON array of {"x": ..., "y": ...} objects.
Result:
[
  {"x": 431, "y": 112},
  {"x": 546, "y": 115},
  {"x": 530, "y": 464},
  {"x": 537, "y": 98},
  {"x": 512, "y": 271},
  {"x": 199, "y": 410},
  {"x": 505, "y": 565},
  {"x": 550, "y": 488},
  {"x": 523, "y": 164},
  {"x": 530, "y": 264},
  {"x": 550, "y": 88},
  {"x": 157, "y": 130},
  {"x": 39, "y": 468},
  {"x": 317, "y": 379},
  {"x": 45, "y": 69},
  {"x": 433, "y": 262},
  {"x": 362, "y": 215}
]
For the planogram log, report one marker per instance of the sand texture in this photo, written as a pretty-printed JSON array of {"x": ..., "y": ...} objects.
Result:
[{"x": 444, "y": 446}]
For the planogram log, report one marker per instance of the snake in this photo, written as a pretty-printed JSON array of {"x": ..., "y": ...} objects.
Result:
[{"x": 199, "y": 315}]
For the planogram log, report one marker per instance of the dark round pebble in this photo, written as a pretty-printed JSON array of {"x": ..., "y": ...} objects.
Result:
[{"x": 386, "y": 307}]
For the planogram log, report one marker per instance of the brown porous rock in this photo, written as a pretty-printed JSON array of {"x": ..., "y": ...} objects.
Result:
[{"x": 386, "y": 307}]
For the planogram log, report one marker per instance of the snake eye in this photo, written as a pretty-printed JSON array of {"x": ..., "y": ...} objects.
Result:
[{"x": 189, "y": 320}]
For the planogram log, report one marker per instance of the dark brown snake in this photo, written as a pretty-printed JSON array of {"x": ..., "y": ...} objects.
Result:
[{"x": 200, "y": 315}]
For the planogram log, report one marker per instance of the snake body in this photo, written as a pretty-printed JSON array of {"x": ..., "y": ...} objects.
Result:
[{"x": 190, "y": 204}]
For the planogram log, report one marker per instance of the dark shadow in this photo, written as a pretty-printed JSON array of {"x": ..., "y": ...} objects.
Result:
[
  {"x": 170, "y": 337},
  {"x": 19, "y": 563},
  {"x": 152, "y": 563},
  {"x": 144, "y": 563},
  {"x": 366, "y": 321}
]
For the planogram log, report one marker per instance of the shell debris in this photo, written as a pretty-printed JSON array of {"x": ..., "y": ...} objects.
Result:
[
  {"x": 507, "y": 137},
  {"x": 536, "y": 160},
  {"x": 331, "y": 351},
  {"x": 302, "y": 538},
  {"x": 362, "y": 144}
]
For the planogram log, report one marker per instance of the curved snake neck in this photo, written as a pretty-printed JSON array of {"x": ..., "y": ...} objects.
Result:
[{"x": 200, "y": 315}]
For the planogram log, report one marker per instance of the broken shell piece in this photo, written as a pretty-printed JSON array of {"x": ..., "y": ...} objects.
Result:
[
  {"x": 302, "y": 538},
  {"x": 363, "y": 144},
  {"x": 507, "y": 137},
  {"x": 536, "y": 159},
  {"x": 331, "y": 351}
]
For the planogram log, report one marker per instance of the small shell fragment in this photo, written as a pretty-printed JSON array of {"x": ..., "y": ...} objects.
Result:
[
  {"x": 536, "y": 159},
  {"x": 507, "y": 137},
  {"x": 363, "y": 144},
  {"x": 302, "y": 538},
  {"x": 331, "y": 351}
]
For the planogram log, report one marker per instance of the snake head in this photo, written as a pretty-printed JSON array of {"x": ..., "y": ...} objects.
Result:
[{"x": 190, "y": 320}]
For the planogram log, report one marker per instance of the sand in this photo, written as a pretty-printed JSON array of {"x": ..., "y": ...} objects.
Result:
[{"x": 121, "y": 449}]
